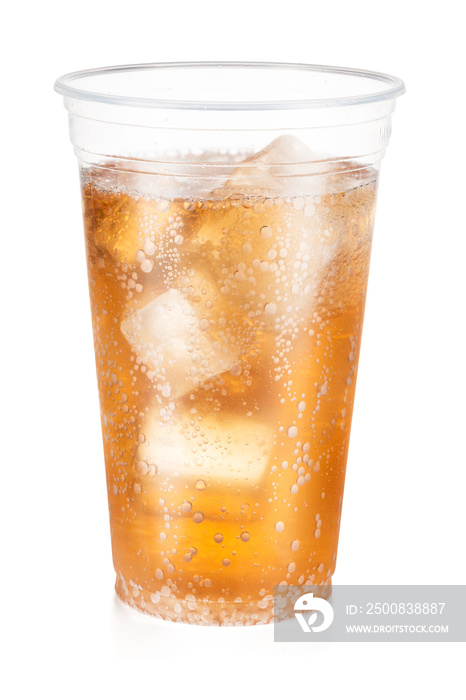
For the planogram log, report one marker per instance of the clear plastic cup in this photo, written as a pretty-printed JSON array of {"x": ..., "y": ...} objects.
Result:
[{"x": 228, "y": 211}]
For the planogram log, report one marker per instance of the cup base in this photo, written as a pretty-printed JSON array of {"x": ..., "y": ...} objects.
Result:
[{"x": 215, "y": 614}]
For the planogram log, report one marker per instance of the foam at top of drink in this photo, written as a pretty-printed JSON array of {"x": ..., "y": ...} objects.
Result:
[{"x": 284, "y": 168}]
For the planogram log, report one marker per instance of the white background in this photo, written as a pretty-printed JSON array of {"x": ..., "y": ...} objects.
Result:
[{"x": 403, "y": 517}]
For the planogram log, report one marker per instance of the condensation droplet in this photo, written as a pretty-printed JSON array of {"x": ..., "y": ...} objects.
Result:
[
  {"x": 295, "y": 545},
  {"x": 292, "y": 431},
  {"x": 226, "y": 562},
  {"x": 186, "y": 507},
  {"x": 280, "y": 526},
  {"x": 198, "y": 517},
  {"x": 218, "y": 537},
  {"x": 245, "y": 536}
]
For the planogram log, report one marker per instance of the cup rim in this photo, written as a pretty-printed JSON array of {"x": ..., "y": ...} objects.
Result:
[{"x": 391, "y": 87}]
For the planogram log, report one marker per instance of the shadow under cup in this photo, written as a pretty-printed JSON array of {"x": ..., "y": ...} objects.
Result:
[{"x": 228, "y": 213}]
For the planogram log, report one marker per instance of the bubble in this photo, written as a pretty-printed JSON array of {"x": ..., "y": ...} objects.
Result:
[
  {"x": 178, "y": 239},
  {"x": 284, "y": 464},
  {"x": 292, "y": 431},
  {"x": 236, "y": 369},
  {"x": 295, "y": 545},
  {"x": 137, "y": 488},
  {"x": 246, "y": 248},
  {"x": 279, "y": 526},
  {"x": 301, "y": 406},
  {"x": 142, "y": 468},
  {"x": 198, "y": 517},
  {"x": 317, "y": 534},
  {"x": 270, "y": 309},
  {"x": 186, "y": 507},
  {"x": 140, "y": 257},
  {"x": 141, "y": 438},
  {"x": 149, "y": 247},
  {"x": 147, "y": 265},
  {"x": 294, "y": 489},
  {"x": 226, "y": 562},
  {"x": 245, "y": 536},
  {"x": 291, "y": 567},
  {"x": 200, "y": 485},
  {"x": 306, "y": 447},
  {"x": 266, "y": 232},
  {"x": 204, "y": 324},
  {"x": 166, "y": 390},
  {"x": 218, "y": 537},
  {"x": 159, "y": 574}
]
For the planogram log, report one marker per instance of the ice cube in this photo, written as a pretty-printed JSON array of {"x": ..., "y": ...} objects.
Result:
[
  {"x": 200, "y": 462},
  {"x": 272, "y": 253},
  {"x": 179, "y": 348},
  {"x": 281, "y": 168},
  {"x": 119, "y": 220}
]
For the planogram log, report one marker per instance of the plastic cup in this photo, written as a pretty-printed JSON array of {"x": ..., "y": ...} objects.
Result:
[{"x": 228, "y": 213}]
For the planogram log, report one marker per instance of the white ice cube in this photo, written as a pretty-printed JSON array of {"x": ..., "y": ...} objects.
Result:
[
  {"x": 283, "y": 167},
  {"x": 224, "y": 449},
  {"x": 168, "y": 337}
]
